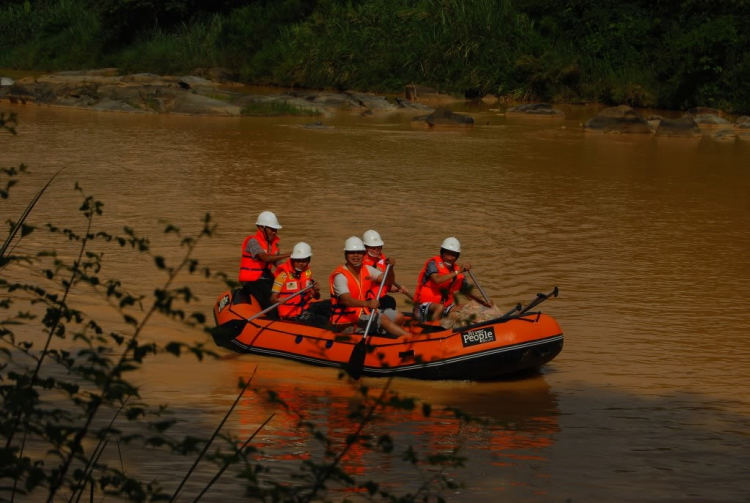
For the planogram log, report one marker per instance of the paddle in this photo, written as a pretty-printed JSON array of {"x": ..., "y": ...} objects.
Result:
[
  {"x": 518, "y": 307},
  {"x": 357, "y": 358},
  {"x": 233, "y": 328},
  {"x": 540, "y": 297},
  {"x": 481, "y": 290}
]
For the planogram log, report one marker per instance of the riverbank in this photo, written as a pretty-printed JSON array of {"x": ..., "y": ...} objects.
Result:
[
  {"x": 644, "y": 54},
  {"x": 106, "y": 90}
]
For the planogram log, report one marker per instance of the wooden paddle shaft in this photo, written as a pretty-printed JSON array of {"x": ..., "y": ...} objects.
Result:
[
  {"x": 481, "y": 290},
  {"x": 270, "y": 308},
  {"x": 380, "y": 291}
]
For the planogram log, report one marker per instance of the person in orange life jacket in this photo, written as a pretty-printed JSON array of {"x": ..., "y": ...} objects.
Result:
[
  {"x": 260, "y": 252},
  {"x": 349, "y": 285},
  {"x": 291, "y": 277},
  {"x": 375, "y": 258},
  {"x": 440, "y": 278}
]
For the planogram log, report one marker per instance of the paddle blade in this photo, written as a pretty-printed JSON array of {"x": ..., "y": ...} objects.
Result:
[
  {"x": 225, "y": 332},
  {"x": 357, "y": 360}
]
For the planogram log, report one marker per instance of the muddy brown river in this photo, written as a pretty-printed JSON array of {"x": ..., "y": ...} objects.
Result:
[{"x": 647, "y": 238}]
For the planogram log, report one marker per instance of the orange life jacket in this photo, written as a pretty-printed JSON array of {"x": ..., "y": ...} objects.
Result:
[
  {"x": 358, "y": 288},
  {"x": 380, "y": 266},
  {"x": 252, "y": 269},
  {"x": 434, "y": 292},
  {"x": 293, "y": 283}
]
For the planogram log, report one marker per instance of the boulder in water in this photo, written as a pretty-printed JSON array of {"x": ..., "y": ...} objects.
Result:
[
  {"x": 617, "y": 120},
  {"x": 195, "y": 104},
  {"x": 724, "y": 135},
  {"x": 536, "y": 109},
  {"x": 704, "y": 116},
  {"x": 684, "y": 127},
  {"x": 442, "y": 117}
]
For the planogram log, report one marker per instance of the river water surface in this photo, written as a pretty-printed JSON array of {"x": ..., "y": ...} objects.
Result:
[{"x": 647, "y": 238}]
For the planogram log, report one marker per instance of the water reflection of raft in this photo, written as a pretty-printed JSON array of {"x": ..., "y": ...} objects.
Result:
[{"x": 509, "y": 344}]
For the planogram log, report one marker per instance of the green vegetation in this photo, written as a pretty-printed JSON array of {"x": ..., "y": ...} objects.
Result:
[
  {"x": 71, "y": 414},
  {"x": 275, "y": 109},
  {"x": 667, "y": 53}
]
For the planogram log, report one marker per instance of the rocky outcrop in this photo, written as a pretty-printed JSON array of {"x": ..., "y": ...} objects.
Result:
[
  {"x": 196, "y": 104},
  {"x": 295, "y": 101},
  {"x": 413, "y": 105},
  {"x": 742, "y": 120},
  {"x": 20, "y": 94},
  {"x": 110, "y": 105},
  {"x": 105, "y": 90},
  {"x": 371, "y": 102},
  {"x": 442, "y": 117},
  {"x": 743, "y": 131},
  {"x": 704, "y": 116},
  {"x": 6, "y": 81},
  {"x": 684, "y": 127},
  {"x": 653, "y": 121},
  {"x": 724, "y": 135},
  {"x": 327, "y": 103},
  {"x": 416, "y": 92},
  {"x": 618, "y": 120},
  {"x": 535, "y": 109}
]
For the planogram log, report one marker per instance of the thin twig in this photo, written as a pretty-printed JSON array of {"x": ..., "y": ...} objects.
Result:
[
  {"x": 91, "y": 459},
  {"x": 226, "y": 465},
  {"x": 25, "y": 214},
  {"x": 88, "y": 473},
  {"x": 210, "y": 440},
  {"x": 56, "y": 484},
  {"x": 56, "y": 324},
  {"x": 20, "y": 456}
]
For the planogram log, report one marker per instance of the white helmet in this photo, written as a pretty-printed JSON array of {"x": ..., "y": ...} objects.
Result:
[
  {"x": 372, "y": 238},
  {"x": 451, "y": 244},
  {"x": 354, "y": 244},
  {"x": 301, "y": 251},
  {"x": 268, "y": 219}
]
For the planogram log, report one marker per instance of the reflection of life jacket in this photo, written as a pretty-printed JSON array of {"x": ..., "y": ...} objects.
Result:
[
  {"x": 291, "y": 283},
  {"x": 434, "y": 292},
  {"x": 252, "y": 269},
  {"x": 358, "y": 288},
  {"x": 380, "y": 266}
]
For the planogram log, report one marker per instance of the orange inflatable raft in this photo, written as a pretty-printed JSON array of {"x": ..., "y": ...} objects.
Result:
[{"x": 517, "y": 341}]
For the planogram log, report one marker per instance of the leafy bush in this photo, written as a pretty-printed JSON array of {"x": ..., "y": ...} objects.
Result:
[
  {"x": 49, "y": 35},
  {"x": 179, "y": 51}
]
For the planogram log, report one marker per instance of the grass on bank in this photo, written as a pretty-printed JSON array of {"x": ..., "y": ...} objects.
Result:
[{"x": 276, "y": 109}]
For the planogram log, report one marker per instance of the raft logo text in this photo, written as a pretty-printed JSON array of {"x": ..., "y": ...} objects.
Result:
[
  {"x": 474, "y": 337},
  {"x": 223, "y": 302}
]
